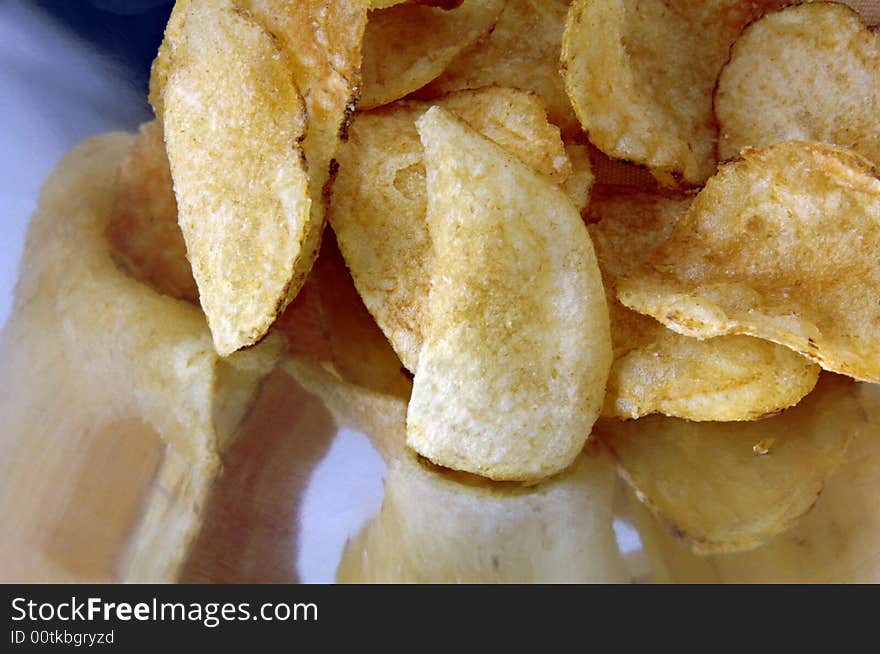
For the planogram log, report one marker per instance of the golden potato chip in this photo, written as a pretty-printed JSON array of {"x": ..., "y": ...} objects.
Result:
[
  {"x": 115, "y": 409},
  {"x": 322, "y": 42},
  {"x": 143, "y": 226},
  {"x": 512, "y": 371},
  {"x": 838, "y": 541},
  {"x": 233, "y": 121},
  {"x": 711, "y": 488},
  {"x": 437, "y": 526},
  {"x": 162, "y": 63},
  {"x": 521, "y": 52},
  {"x": 408, "y": 45},
  {"x": 656, "y": 370},
  {"x": 809, "y": 72},
  {"x": 379, "y": 197},
  {"x": 640, "y": 74},
  {"x": 783, "y": 246}
]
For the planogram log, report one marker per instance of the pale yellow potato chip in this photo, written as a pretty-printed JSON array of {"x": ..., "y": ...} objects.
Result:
[
  {"x": 512, "y": 371},
  {"x": 656, "y": 370},
  {"x": 143, "y": 226},
  {"x": 640, "y": 75},
  {"x": 116, "y": 409},
  {"x": 710, "y": 484},
  {"x": 810, "y": 72},
  {"x": 233, "y": 121},
  {"x": 521, "y": 52},
  {"x": 838, "y": 541},
  {"x": 437, "y": 526},
  {"x": 162, "y": 63},
  {"x": 378, "y": 202},
  {"x": 408, "y": 45},
  {"x": 783, "y": 246}
]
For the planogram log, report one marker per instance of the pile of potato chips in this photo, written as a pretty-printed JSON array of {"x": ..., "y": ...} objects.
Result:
[{"x": 645, "y": 227}]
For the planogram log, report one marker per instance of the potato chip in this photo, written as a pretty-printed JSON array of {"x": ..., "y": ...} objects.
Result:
[
  {"x": 521, "y": 52},
  {"x": 233, "y": 121},
  {"x": 512, "y": 371},
  {"x": 810, "y": 72},
  {"x": 143, "y": 226},
  {"x": 781, "y": 245},
  {"x": 115, "y": 409},
  {"x": 437, "y": 526},
  {"x": 836, "y": 542},
  {"x": 640, "y": 74},
  {"x": 408, "y": 45},
  {"x": 379, "y": 197},
  {"x": 656, "y": 370},
  {"x": 709, "y": 486},
  {"x": 322, "y": 42}
]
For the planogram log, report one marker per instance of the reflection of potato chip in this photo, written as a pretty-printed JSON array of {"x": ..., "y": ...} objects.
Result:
[
  {"x": 781, "y": 245},
  {"x": 810, "y": 72},
  {"x": 706, "y": 482},
  {"x": 143, "y": 227},
  {"x": 101, "y": 371},
  {"x": 233, "y": 119},
  {"x": 408, "y": 45},
  {"x": 436, "y": 526},
  {"x": 656, "y": 370},
  {"x": 339, "y": 354},
  {"x": 353, "y": 346},
  {"x": 379, "y": 198},
  {"x": 640, "y": 75},
  {"x": 512, "y": 372},
  {"x": 521, "y": 52},
  {"x": 838, "y": 541}
]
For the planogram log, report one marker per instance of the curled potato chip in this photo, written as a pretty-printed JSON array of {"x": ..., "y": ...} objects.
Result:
[
  {"x": 713, "y": 485},
  {"x": 810, "y": 72},
  {"x": 781, "y": 245},
  {"x": 379, "y": 197},
  {"x": 521, "y": 52},
  {"x": 143, "y": 226},
  {"x": 656, "y": 370},
  {"x": 116, "y": 409},
  {"x": 321, "y": 40},
  {"x": 640, "y": 75},
  {"x": 512, "y": 371},
  {"x": 838, "y": 541},
  {"x": 233, "y": 120},
  {"x": 437, "y": 526},
  {"x": 408, "y": 45}
]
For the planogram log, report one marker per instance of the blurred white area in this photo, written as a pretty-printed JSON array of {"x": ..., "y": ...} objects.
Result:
[
  {"x": 55, "y": 90},
  {"x": 344, "y": 492}
]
